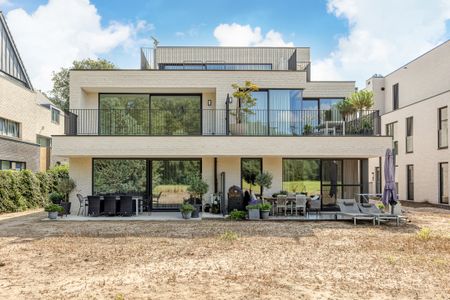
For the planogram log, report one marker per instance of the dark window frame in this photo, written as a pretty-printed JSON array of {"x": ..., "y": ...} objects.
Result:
[
  {"x": 395, "y": 96},
  {"x": 410, "y": 182},
  {"x": 10, "y": 164},
  {"x": 261, "y": 170},
  {"x": 409, "y": 133},
  {"x": 441, "y": 183},
  {"x": 55, "y": 115},
  {"x": 440, "y": 127}
]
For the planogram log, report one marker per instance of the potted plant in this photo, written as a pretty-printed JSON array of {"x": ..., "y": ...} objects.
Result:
[
  {"x": 56, "y": 198},
  {"x": 345, "y": 108},
  {"x": 265, "y": 210},
  {"x": 380, "y": 206},
  {"x": 253, "y": 211},
  {"x": 186, "y": 210},
  {"x": 65, "y": 187},
  {"x": 198, "y": 187},
  {"x": 264, "y": 180},
  {"x": 53, "y": 211},
  {"x": 307, "y": 129},
  {"x": 244, "y": 106}
]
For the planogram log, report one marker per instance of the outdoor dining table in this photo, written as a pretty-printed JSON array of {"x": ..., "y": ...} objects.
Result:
[
  {"x": 136, "y": 199},
  {"x": 290, "y": 200}
]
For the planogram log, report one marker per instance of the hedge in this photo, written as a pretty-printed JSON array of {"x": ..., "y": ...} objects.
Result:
[{"x": 21, "y": 190}]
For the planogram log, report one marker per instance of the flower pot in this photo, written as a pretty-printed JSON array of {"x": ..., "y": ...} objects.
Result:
[
  {"x": 66, "y": 206},
  {"x": 186, "y": 214},
  {"x": 265, "y": 214},
  {"x": 253, "y": 214},
  {"x": 196, "y": 212},
  {"x": 52, "y": 215}
]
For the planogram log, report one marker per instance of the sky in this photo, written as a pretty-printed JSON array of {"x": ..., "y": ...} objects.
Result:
[{"x": 349, "y": 39}]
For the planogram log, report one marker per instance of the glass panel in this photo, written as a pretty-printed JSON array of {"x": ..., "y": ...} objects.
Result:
[
  {"x": 6, "y": 165},
  {"x": 351, "y": 172},
  {"x": 120, "y": 176},
  {"x": 285, "y": 112},
  {"x": 443, "y": 128},
  {"x": 256, "y": 123},
  {"x": 250, "y": 168},
  {"x": 328, "y": 110},
  {"x": 124, "y": 114},
  {"x": 176, "y": 115},
  {"x": 410, "y": 182},
  {"x": 331, "y": 181},
  {"x": 443, "y": 182},
  {"x": 43, "y": 141},
  {"x": 301, "y": 176},
  {"x": 9, "y": 128},
  {"x": 170, "y": 180}
]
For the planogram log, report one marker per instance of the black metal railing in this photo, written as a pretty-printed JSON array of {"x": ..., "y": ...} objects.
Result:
[{"x": 235, "y": 122}]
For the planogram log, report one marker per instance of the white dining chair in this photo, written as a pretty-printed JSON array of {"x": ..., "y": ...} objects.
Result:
[{"x": 300, "y": 203}]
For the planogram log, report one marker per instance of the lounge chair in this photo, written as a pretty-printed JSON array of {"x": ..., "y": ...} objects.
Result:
[
  {"x": 371, "y": 209},
  {"x": 351, "y": 209}
]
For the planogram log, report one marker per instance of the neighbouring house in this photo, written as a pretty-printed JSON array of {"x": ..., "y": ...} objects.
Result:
[
  {"x": 414, "y": 101},
  {"x": 27, "y": 117},
  {"x": 145, "y": 131}
]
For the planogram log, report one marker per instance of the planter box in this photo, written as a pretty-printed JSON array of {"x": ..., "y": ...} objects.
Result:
[
  {"x": 52, "y": 215},
  {"x": 253, "y": 214}
]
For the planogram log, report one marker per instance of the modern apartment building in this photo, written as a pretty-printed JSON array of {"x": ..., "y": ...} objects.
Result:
[
  {"x": 146, "y": 131},
  {"x": 414, "y": 102},
  {"x": 27, "y": 118}
]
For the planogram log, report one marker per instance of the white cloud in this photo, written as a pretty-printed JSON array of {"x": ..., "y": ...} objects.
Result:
[
  {"x": 382, "y": 36},
  {"x": 65, "y": 30},
  {"x": 244, "y": 35}
]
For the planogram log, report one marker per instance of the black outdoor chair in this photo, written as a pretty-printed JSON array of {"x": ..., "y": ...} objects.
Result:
[
  {"x": 94, "y": 206},
  {"x": 109, "y": 205},
  {"x": 126, "y": 205}
]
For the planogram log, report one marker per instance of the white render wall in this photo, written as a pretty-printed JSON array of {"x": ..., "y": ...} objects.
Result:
[{"x": 424, "y": 87}]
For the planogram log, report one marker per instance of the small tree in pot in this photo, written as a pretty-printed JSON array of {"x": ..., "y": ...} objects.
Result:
[
  {"x": 65, "y": 187},
  {"x": 253, "y": 211},
  {"x": 265, "y": 210},
  {"x": 186, "y": 210},
  {"x": 264, "y": 180},
  {"x": 244, "y": 106},
  {"x": 197, "y": 187}
]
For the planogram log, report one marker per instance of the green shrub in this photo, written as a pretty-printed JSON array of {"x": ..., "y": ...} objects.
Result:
[
  {"x": 30, "y": 189},
  {"x": 237, "y": 215},
  {"x": 253, "y": 206},
  {"x": 55, "y": 197},
  {"x": 424, "y": 234},
  {"x": 65, "y": 186},
  {"x": 184, "y": 208},
  {"x": 55, "y": 175},
  {"x": 54, "y": 208},
  {"x": 229, "y": 236},
  {"x": 266, "y": 206}
]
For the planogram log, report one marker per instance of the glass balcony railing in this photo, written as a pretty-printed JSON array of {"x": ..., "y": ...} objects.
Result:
[{"x": 232, "y": 122}]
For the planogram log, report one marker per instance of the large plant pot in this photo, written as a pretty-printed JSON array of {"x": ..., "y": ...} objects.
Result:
[
  {"x": 186, "y": 214},
  {"x": 66, "y": 206},
  {"x": 52, "y": 215},
  {"x": 237, "y": 129},
  {"x": 253, "y": 214},
  {"x": 196, "y": 212},
  {"x": 265, "y": 214}
]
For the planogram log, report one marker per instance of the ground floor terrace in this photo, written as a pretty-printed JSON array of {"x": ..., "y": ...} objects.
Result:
[
  {"x": 161, "y": 183},
  {"x": 222, "y": 259}
]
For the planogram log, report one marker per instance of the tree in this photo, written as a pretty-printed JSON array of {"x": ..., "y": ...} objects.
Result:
[
  {"x": 346, "y": 108},
  {"x": 264, "y": 180},
  {"x": 250, "y": 170},
  {"x": 59, "y": 95},
  {"x": 246, "y": 100},
  {"x": 362, "y": 100}
]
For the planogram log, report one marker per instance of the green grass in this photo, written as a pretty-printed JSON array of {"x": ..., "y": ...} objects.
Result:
[
  {"x": 309, "y": 186},
  {"x": 170, "y": 188}
]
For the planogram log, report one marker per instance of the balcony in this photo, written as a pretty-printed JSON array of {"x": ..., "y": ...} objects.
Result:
[{"x": 219, "y": 122}]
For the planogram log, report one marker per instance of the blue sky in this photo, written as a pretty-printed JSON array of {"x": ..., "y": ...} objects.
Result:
[{"x": 349, "y": 39}]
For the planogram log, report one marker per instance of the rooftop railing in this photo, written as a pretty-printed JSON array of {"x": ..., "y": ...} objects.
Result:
[{"x": 220, "y": 122}]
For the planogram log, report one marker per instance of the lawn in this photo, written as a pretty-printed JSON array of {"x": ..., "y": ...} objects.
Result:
[{"x": 225, "y": 259}]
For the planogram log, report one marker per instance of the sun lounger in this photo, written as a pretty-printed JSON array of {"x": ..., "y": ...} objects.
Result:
[
  {"x": 351, "y": 209},
  {"x": 371, "y": 209}
]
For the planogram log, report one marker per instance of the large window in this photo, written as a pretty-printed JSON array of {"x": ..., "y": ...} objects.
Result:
[
  {"x": 12, "y": 165},
  {"x": 410, "y": 182},
  {"x": 43, "y": 141},
  {"x": 55, "y": 115},
  {"x": 301, "y": 176},
  {"x": 395, "y": 96},
  {"x": 443, "y": 128},
  {"x": 443, "y": 182},
  {"x": 227, "y": 67},
  {"x": 119, "y": 176},
  {"x": 250, "y": 168},
  {"x": 9, "y": 128},
  {"x": 409, "y": 135},
  {"x": 126, "y": 114},
  {"x": 170, "y": 180},
  {"x": 175, "y": 114}
]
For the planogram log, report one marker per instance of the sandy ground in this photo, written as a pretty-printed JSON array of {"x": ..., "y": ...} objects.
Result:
[{"x": 179, "y": 260}]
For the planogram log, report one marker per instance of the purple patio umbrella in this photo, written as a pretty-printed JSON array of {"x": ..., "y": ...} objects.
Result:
[{"x": 390, "y": 191}]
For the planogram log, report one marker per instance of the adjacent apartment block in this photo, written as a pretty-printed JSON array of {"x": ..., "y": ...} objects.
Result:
[
  {"x": 145, "y": 132},
  {"x": 414, "y": 102},
  {"x": 27, "y": 118}
]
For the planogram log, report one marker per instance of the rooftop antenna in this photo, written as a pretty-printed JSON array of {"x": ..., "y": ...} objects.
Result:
[{"x": 155, "y": 42}]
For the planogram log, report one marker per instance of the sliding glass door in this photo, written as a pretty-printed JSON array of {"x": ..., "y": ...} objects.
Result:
[{"x": 166, "y": 179}]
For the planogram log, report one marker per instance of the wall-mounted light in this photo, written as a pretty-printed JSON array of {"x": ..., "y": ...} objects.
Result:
[{"x": 209, "y": 102}]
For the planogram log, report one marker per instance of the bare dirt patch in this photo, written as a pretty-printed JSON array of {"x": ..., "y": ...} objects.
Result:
[{"x": 225, "y": 259}]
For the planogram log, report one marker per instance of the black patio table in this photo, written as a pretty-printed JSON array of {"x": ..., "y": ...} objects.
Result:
[{"x": 137, "y": 201}]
